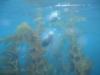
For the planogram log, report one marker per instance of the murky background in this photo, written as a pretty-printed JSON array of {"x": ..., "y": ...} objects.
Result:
[{"x": 44, "y": 37}]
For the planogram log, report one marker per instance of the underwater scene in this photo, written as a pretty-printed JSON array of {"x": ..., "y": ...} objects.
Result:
[{"x": 49, "y": 37}]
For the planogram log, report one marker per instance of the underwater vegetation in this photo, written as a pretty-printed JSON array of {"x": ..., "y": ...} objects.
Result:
[
  {"x": 81, "y": 65},
  {"x": 35, "y": 63}
]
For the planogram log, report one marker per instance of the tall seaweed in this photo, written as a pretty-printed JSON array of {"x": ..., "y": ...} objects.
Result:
[{"x": 37, "y": 65}]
